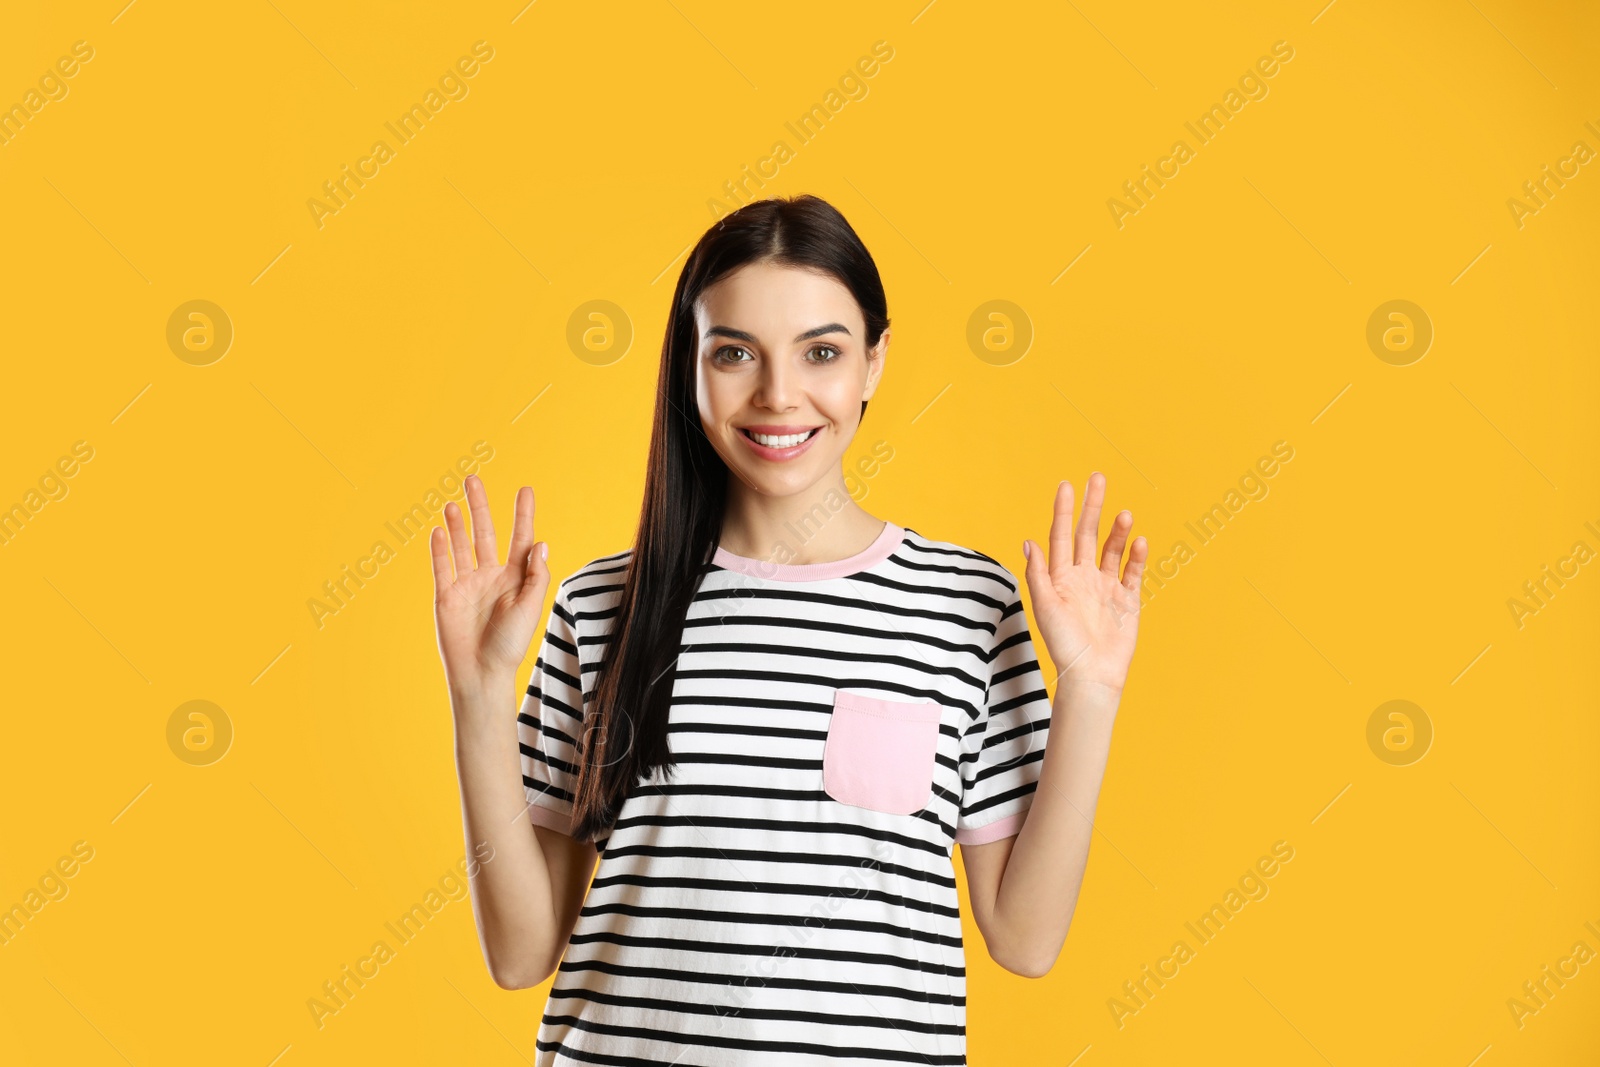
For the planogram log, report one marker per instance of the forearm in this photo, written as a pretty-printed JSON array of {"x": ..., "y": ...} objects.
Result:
[
  {"x": 512, "y": 895},
  {"x": 1039, "y": 888}
]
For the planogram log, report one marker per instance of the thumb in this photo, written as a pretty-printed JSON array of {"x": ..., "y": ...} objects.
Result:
[
  {"x": 1036, "y": 572},
  {"x": 536, "y": 575}
]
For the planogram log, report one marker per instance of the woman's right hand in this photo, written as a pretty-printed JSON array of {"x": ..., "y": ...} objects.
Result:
[
  {"x": 487, "y": 614},
  {"x": 527, "y": 895}
]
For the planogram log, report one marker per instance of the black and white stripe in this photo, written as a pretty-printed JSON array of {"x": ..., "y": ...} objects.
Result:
[{"x": 740, "y": 914}]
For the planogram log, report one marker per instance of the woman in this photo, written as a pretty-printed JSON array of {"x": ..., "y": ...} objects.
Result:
[{"x": 775, "y": 714}]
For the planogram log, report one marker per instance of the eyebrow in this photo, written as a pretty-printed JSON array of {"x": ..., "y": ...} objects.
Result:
[{"x": 750, "y": 338}]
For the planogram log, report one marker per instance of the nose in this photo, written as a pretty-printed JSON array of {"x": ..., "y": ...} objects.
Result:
[{"x": 776, "y": 389}]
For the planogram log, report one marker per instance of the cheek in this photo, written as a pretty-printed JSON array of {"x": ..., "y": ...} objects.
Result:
[
  {"x": 708, "y": 393},
  {"x": 720, "y": 397},
  {"x": 840, "y": 395},
  {"x": 702, "y": 395}
]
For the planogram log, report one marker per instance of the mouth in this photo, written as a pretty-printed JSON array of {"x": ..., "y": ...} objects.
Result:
[
  {"x": 778, "y": 442},
  {"x": 778, "y": 436}
]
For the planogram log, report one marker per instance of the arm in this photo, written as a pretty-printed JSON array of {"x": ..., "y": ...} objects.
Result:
[
  {"x": 526, "y": 897},
  {"x": 1024, "y": 889},
  {"x": 526, "y": 894}
]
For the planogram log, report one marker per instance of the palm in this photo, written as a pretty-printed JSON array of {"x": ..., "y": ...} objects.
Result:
[
  {"x": 1087, "y": 613},
  {"x": 487, "y": 614}
]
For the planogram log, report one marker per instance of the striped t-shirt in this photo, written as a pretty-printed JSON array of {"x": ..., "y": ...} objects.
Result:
[{"x": 787, "y": 895}]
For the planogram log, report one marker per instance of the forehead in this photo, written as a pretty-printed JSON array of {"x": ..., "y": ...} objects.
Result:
[{"x": 777, "y": 302}]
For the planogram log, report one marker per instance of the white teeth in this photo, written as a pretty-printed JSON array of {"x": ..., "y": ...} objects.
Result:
[{"x": 779, "y": 440}]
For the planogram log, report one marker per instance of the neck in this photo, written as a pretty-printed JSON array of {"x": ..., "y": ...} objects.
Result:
[{"x": 818, "y": 525}]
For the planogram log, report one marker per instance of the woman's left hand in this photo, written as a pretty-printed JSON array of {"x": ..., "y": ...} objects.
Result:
[{"x": 1087, "y": 614}]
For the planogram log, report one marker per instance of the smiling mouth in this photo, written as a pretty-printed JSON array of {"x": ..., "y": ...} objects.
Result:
[{"x": 780, "y": 440}]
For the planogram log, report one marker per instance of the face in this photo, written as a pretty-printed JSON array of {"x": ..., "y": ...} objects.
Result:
[{"x": 781, "y": 369}]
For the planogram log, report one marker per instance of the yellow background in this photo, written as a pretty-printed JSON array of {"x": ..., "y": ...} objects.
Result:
[{"x": 428, "y": 313}]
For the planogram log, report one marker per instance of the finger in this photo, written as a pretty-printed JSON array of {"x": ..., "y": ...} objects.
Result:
[
  {"x": 1094, "y": 495},
  {"x": 1135, "y": 569},
  {"x": 1036, "y": 573},
  {"x": 458, "y": 538},
  {"x": 1116, "y": 543},
  {"x": 1061, "y": 531},
  {"x": 482, "y": 523},
  {"x": 535, "y": 578},
  {"x": 535, "y": 572},
  {"x": 441, "y": 562},
  {"x": 521, "y": 530}
]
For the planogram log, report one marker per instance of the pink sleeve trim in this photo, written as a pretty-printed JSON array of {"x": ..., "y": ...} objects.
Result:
[
  {"x": 1000, "y": 828},
  {"x": 550, "y": 819}
]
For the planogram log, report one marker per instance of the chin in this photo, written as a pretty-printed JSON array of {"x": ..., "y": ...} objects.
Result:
[
  {"x": 775, "y": 479},
  {"x": 769, "y": 484}
]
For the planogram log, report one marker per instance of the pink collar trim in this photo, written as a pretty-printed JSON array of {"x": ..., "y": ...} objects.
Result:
[{"x": 877, "y": 552}]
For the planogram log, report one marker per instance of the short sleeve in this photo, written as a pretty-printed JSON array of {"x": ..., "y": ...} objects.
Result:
[
  {"x": 1003, "y": 750},
  {"x": 551, "y": 720}
]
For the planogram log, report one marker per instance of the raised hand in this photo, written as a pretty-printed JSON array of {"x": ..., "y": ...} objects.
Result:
[
  {"x": 1087, "y": 615},
  {"x": 487, "y": 614}
]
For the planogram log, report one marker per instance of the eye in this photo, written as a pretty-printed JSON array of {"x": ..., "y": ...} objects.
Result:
[
  {"x": 832, "y": 353},
  {"x": 722, "y": 355}
]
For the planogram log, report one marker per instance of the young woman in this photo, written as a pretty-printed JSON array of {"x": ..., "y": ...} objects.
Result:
[{"x": 774, "y": 715}]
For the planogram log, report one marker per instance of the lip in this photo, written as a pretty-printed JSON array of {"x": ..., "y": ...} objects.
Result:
[
  {"x": 778, "y": 454},
  {"x": 777, "y": 428}
]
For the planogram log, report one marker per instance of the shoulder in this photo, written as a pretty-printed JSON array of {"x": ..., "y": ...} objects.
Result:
[
  {"x": 596, "y": 585},
  {"x": 957, "y": 564}
]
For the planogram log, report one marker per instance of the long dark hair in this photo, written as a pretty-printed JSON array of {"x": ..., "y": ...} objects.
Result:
[{"x": 685, "y": 490}]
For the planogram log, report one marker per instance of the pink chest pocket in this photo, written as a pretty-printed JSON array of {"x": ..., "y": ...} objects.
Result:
[{"x": 880, "y": 754}]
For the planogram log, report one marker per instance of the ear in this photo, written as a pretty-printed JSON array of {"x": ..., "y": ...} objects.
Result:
[{"x": 879, "y": 353}]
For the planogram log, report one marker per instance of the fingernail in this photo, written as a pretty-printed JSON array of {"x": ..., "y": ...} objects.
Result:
[
  {"x": 544, "y": 550},
  {"x": 1025, "y": 550}
]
